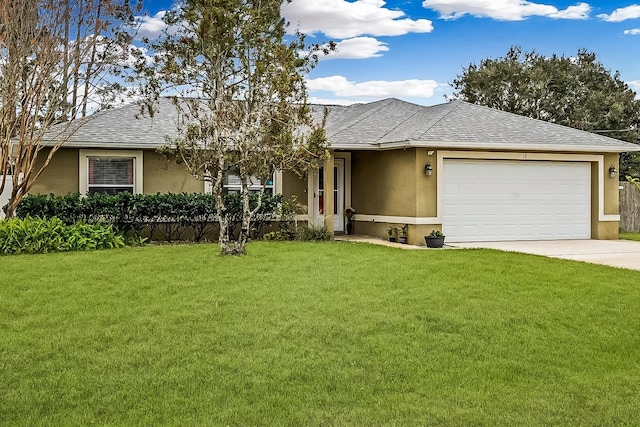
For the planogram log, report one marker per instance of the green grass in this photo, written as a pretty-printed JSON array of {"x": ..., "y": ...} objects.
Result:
[
  {"x": 316, "y": 334},
  {"x": 630, "y": 236}
]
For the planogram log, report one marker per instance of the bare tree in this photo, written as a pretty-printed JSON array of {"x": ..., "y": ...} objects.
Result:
[
  {"x": 56, "y": 57},
  {"x": 248, "y": 107}
]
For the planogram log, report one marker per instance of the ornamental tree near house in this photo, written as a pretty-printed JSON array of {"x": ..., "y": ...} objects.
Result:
[
  {"x": 241, "y": 98},
  {"x": 577, "y": 91},
  {"x": 55, "y": 59}
]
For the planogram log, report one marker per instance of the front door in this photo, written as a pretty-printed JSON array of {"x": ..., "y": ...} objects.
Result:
[{"x": 338, "y": 196}]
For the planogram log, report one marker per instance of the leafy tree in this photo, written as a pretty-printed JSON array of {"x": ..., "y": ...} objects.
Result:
[
  {"x": 55, "y": 59},
  {"x": 572, "y": 91},
  {"x": 241, "y": 98}
]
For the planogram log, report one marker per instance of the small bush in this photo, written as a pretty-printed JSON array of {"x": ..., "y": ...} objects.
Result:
[
  {"x": 279, "y": 235},
  {"x": 36, "y": 235},
  {"x": 312, "y": 234},
  {"x": 300, "y": 233}
]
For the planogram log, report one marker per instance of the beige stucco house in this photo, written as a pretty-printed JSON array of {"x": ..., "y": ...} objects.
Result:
[{"x": 476, "y": 173}]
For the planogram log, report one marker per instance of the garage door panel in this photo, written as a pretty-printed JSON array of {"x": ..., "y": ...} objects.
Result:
[
  {"x": 471, "y": 230},
  {"x": 489, "y": 209},
  {"x": 516, "y": 200},
  {"x": 546, "y": 209}
]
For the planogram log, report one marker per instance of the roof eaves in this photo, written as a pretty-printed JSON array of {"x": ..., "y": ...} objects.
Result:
[
  {"x": 353, "y": 147},
  {"x": 107, "y": 145},
  {"x": 586, "y": 148}
]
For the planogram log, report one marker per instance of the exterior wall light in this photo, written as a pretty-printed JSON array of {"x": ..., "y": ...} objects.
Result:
[
  {"x": 428, "y": 169},
  {"x": 612, "y": 171}
]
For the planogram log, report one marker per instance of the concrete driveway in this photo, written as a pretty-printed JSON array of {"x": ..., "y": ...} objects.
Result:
[{"x": 616, "y": 253}]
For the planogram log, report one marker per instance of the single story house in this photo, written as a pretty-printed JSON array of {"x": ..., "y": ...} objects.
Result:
[{"x": 476, "y": 173}]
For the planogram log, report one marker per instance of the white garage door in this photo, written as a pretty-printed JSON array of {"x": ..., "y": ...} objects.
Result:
[{"x": 487, "y": 200}]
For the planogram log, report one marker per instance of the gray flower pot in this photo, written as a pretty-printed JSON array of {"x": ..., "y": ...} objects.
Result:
[{"x": 434, "y": 242}]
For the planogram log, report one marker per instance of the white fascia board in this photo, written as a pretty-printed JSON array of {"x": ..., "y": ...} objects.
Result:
[
  {"x": 353, "y": 147},
  {"x": 584, "y": 148},
  {"x": 110, "y": 145}
]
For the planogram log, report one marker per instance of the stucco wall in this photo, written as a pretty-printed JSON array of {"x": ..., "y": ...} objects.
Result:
[
  {"x": 61, "y": 176},
  {"x": 426, "y": 186},
  {"x": 166, "y": 176},
  {"x": 384, "y": 182},
  {"x": 394, "y": 184},
  {"x": 295, "y": 186},
  {"x": 606, "y": 230},
  {"x": 611, "y": 190},
  {"x": 159, "y": 176}
]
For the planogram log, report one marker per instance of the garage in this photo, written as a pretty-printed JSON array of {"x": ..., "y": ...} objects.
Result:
[{"x": 505, "y": 200}]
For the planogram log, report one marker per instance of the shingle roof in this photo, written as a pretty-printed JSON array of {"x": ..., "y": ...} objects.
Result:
[
  {"x": 125, "y": 127},
  {"x": 385, "y": 124},
  {"x": 393, "y": 123}
]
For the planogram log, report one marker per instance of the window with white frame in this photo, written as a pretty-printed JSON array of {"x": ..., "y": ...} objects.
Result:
[
  {"x": 233, "y": 184},
  {"x": 110, "y": 172},
  {"x": 110, "y": 175}
]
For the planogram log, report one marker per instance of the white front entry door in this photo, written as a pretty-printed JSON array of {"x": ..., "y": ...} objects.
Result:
[
  {"x": 338, "y": 196},
  {"x": 500, "y": 200}
]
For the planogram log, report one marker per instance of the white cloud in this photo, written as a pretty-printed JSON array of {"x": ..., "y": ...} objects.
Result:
[
  {"x": 506, "y": 10},
  {"x": 343, "y": 19},
  {"x": 579, "y": 11},
  {"x": 357, "y": 48},
  {"x": 151, "y": 26},
  {"x": 632, "y": 32},
  {"x": 622, "y": 14},
  {"x": 635, "y": 86},
  {"x": 340, "y": 86}
]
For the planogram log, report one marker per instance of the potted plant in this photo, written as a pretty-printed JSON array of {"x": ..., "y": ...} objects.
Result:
[
  {"x": 349, "y": 213},
  {"x": 393, "y": 233},
  {"x": 435, "y": 239},
  {"x": 404, "y": 231}
]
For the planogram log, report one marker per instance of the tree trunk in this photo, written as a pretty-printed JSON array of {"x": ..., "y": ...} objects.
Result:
[
  {"x": 227, "y": 246},
  {"x": 94, "y": 42},
  {"x": 16, "y": 196}
]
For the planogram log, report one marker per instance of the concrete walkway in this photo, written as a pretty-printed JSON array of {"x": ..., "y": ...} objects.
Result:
[
  {"x": 373, "y": 241},
  {"x": 615, "y": 253}
]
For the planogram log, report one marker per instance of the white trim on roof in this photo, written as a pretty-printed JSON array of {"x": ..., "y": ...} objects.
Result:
[
  {"x": 579, "y": 148},
  {"x": 582, "y": 148}
]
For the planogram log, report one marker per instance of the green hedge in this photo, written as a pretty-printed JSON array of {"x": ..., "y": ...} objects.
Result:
[
  {"x": 168, "y": 216},
  {"x": 37, "y": 235}
]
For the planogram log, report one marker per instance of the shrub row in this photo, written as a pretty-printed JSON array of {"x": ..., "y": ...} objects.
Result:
[
  {"x": 160, "y": 216},
  {"x": 37, "y": 235},
  {"x": 301, "y": 233}
]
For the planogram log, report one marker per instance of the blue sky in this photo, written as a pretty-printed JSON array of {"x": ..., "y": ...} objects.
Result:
[{"x": 413, "y": 49}]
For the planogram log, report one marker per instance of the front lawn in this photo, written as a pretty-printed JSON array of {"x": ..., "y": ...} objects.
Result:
[
  {"x": 630, "y": 236},
  {"x": 316, "y": 334}
]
